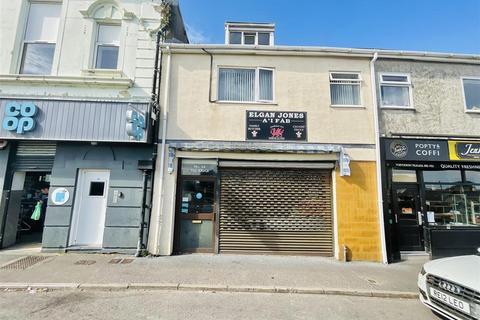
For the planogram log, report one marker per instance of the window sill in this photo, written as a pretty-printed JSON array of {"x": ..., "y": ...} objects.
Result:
[
  {"x": 398, "y": 108},
  {"x": 472, "y": 111},
  {"x": 66, "y": 80},
  {"x": 247, "y": 102},
  {"x": 347, "y": 106},
  {"x": 104, "y": 73}
]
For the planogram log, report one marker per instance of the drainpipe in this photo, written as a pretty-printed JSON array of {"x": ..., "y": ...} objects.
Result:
[
  {"x": 159, "y": 182},
  {"x": 377, "y": 156}
]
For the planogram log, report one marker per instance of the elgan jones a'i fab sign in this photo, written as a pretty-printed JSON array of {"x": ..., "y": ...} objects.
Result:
[{"x": 276, "y": 125}]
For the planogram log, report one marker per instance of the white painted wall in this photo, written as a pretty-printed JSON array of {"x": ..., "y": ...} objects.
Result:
[{"x": 72, "y": 75}]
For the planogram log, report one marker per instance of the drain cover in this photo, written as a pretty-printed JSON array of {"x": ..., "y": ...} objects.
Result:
[
  {"x": 85, "y": 262},
  {"x": 23, "y": 263}
]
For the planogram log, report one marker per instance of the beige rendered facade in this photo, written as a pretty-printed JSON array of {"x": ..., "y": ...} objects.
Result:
[{"x": 196, "y": 125}]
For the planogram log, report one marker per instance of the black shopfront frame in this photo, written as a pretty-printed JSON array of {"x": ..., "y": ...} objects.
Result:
[{"x": 440, "y": 240}]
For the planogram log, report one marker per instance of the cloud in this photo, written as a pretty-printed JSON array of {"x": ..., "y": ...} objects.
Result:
[{"x": 195, "y": 35}]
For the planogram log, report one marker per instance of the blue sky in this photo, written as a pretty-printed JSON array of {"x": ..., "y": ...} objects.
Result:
[{"x": 421, "y": 25}]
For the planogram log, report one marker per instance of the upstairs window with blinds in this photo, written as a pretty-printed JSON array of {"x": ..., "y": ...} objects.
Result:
[
  {"x": 245, "y": 85},
  {"x": 40, "y": 38},
  {"x": 345, "y": 89}
]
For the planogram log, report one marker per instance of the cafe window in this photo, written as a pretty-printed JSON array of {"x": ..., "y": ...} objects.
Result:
[
  {"x": 471, "y": 91},
  {"x": 395, "y": 91},
  {"x": 404, "y": 175},
  {"x": 245, "y": 85},
  {"x": 40, "y": 38},
  {"x": 451, "y": 200}
]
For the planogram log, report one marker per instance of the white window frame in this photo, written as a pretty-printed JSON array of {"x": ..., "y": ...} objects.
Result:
[
  {"x": 24, "y": 42},
  {"x": 97, "y": 44},
  {"x": 257, "y": 85},
  {"x": 407, "y": 84},
  {"x": 346, "y": 81},
  {"x": 242, "y": 42},
  {"x": 463, "y": 94}
]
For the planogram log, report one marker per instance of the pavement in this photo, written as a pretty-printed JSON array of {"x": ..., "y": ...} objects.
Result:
[{"x": 210, "y": 273}]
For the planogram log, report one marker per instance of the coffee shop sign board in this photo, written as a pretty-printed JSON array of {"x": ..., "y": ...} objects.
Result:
[{"x": 431, "y": 150}]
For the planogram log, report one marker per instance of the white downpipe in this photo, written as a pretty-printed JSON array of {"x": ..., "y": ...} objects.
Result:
[
  {"x": 377, "y": 156},
  {"x": 160, "y": 188}
]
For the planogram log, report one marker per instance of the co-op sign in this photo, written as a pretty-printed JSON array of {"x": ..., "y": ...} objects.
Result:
[{"x": 431, "y": 150}]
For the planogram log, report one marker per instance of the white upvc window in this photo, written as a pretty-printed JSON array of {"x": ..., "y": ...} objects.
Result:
[
  {"x": 471, "y": 93},
  {"x": 40, "y": 38},
  {"x": 250, "y": 38},
  {"x": 246, "y": 85},
  {"x": 396, "y": 91},
  {"x": 345, "y": 89},
  {"x": 107, "y": 46}
]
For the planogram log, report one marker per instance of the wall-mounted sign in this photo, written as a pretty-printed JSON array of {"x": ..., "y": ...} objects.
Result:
[
  {"x": 416, "y": 150},
  {"x": 60, "y": 196},
  {"x": 276, "y": 125},
  {"x": 19, "y": 117},
  {"x": 464, "y": 150},
  {"x": 135, "y": 125},
  {"x": 200, "y": 167}
]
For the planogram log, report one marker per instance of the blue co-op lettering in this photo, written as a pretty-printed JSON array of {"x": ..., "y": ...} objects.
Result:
[{"x": 19, "y": 117}]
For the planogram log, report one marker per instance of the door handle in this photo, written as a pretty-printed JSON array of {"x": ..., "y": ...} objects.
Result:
[{"x": 396, "y": 218}]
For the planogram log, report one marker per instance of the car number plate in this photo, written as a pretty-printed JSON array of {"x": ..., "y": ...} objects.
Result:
[{"x": 451, "y": 301}]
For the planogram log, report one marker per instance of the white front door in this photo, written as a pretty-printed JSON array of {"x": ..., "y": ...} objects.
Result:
[{"x": 89, "y": 209}]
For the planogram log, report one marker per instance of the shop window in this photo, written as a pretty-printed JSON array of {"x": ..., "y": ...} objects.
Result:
[
  {"x": 395, "y": 91},
  {"x": 40, "y": 38},
  {"x": 245, "y": 85},
  {"x": 472, "y": 177},
  {"x": 404, "y": 175},
  {"x": 107, "y": 47},
  {"x": 471, "y": 90},
  {"x": 345, "y": 89},
  {"x": 442, "y": 176}
]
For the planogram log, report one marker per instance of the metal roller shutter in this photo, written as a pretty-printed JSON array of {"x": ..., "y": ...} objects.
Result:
[
  {"x": 35, "y": 156},
  {"x": 284, "y": 211}
]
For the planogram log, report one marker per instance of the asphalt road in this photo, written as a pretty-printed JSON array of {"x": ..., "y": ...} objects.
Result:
[{"x": 201, "y": 305}]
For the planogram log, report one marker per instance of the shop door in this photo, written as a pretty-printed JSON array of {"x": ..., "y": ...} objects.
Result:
[
  {"x": 195, "y": 215},
  {"x": 89, "y": 210},
  {"x": 408, "y": 217},
  {"x": 276, "y": 211}
]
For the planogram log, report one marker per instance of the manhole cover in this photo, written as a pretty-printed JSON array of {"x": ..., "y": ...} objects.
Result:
[
  {"x": 85, "y": 262},
  {"x": 23, "y": 263}
]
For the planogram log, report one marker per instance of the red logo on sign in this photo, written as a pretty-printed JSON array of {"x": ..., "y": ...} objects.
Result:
[{"x": 276, "y": 132}]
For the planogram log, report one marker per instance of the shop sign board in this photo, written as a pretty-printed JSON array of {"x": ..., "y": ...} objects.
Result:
[
  {"x": 276, "y": 125},
  {"x": 19, "y": 117},
  {"x": 416, "y": 150},
  {"x": 464, "y": 150}
]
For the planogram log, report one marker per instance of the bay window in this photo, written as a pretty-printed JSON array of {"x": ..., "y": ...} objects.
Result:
[
  {"x": 395, "y": 91},
  {"x": 345, "y": 89},
  {"x": 40, "y": 38},
  {"x": 107, "y": 47},
  {"x": 245, "y": 85}
]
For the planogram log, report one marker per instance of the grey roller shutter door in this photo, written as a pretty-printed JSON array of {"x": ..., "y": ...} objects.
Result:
[
  {"x": 276, "y": 211},
  {"x": 34, "y": 156}
]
